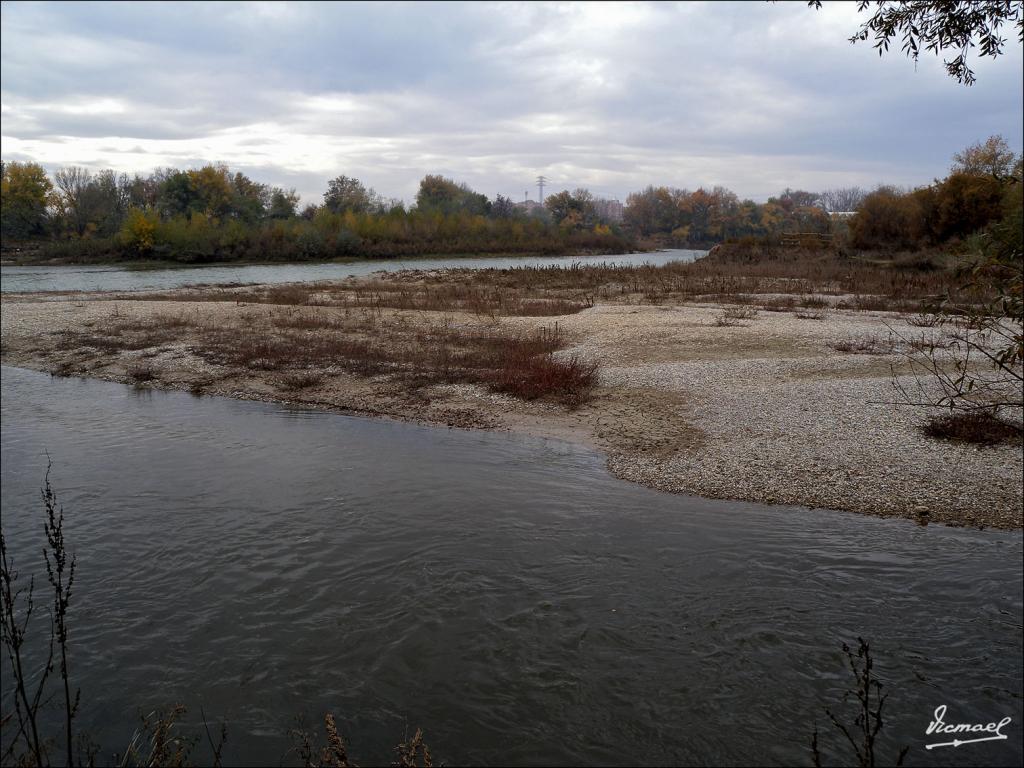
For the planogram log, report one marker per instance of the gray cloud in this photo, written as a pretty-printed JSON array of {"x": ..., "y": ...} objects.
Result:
[{"x": 754, "y": 96}]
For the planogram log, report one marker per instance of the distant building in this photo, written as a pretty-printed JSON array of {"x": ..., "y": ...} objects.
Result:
[{"x": 609, "y": 210}]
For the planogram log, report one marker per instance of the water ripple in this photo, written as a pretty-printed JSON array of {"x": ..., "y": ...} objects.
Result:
[{"x": 507, "y": 595}]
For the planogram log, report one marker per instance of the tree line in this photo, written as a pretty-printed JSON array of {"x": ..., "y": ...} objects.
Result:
[
  {"x": 982, "y": 189},
  {"x": 212, "y": 214},
  {"x": 980, "y": 195}
]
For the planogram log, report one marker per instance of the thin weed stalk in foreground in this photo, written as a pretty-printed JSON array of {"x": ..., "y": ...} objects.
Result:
[
  {"x": 60, "y": 571},
  {"x": 26, "y": 746},
  {"x": 862, "y": 736}
]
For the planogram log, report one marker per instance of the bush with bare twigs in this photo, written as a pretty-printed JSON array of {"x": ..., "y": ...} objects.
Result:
[
  {"x": 981, "y": 370},
  {"x": 977, "y": 427},
  {"x": 864, "y": 345},
  {"x": 731, "y": 316}
]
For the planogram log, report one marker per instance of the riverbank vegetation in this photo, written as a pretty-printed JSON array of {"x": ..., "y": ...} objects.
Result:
[
  {"x": 981, "y": 188},
  {"x": 211, "y": 214}
]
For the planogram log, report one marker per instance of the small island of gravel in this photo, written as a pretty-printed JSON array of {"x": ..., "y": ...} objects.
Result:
[{"x": 762, "y": 386}]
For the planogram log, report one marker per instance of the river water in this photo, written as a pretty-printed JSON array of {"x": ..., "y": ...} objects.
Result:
[
  {"x": 118, "y": 278},
  {"x": 506, "y": 594}
]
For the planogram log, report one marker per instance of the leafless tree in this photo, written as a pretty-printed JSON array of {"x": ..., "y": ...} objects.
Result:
[{"x": 841, "y": 199}]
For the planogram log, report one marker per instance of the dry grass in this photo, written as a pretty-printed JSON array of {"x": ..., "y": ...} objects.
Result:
[
  {"x": 734, "y": 274},
  {"x": 865, "y": 345},
  {"x": 305, "y": 345},
  {"x": 122, "y": 334},
  {"x": 412, "y": 753},
  {"x": 461, "y": 294}
]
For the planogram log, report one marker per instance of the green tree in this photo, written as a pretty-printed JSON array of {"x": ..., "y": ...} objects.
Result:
[
  {"x": 250, "y": 199},
  {"x": 214, "y": 190},
  {"x": 442, "y": 195},
  {"x": 283, "y": 204},
  {"x": 345, "y": 193},
  {"x": 106, "y": 202},
  {"x": 503, "y": 208},
  {"x": 572, "y": 209},
  {"x": 176, "y": 195},
  {"x": 24, "y": 194}
]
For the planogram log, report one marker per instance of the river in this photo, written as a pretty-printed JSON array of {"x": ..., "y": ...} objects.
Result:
[
  {"x": 506, "y": 594},
  {"x": 120, "y": 278}
]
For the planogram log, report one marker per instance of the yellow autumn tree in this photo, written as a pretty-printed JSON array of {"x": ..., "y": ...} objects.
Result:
[{"x": 138, "y": 233}]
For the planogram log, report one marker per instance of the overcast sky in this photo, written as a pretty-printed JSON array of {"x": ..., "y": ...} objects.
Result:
[{"x": 754, "y": 96}]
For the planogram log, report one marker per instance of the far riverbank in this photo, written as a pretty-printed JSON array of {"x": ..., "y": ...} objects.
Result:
[{"x": 164, "y": 275}]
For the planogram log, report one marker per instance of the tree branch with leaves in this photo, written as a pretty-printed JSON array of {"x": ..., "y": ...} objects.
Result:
[{"x": 960, "y": 26}]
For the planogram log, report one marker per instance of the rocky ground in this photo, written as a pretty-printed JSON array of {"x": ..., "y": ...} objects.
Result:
[{"x": 765, "y": 408}]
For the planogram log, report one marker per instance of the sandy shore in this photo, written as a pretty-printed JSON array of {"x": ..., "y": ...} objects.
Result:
[{"x": 767, "y": 410}]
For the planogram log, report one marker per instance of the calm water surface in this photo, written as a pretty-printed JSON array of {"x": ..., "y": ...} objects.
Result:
[
  {"x": 112, "y": 278},
  {"x": 506, "y": 594}
]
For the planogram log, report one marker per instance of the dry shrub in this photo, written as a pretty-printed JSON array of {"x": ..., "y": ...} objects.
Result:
[
  {"x": 289, "y": 293},
  {"x": 779, "y": 304},
  {"x": 159, "y": 741},
  {"x": 734, "y": 316},
  {"x": 141, "y": 373},
  {"x": 925, "y": 320},
  {"x": 413, "y": 753},
  {"x": 520, "y": 364},
  {"x": 306, "y": 322},
  {"x": 530, "y": 377},
  {"x": 813, "y": 302},
  {"x": 811, "y": 314},
  {"x": 976, "y": 427},
  {"x": 864, "y": 345},
  {"x": 928, "y": 343},
  {"x": 301, "y": 380},
  {"x": 120, "y": 335},
  {"x": 450, "y": 292}
]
